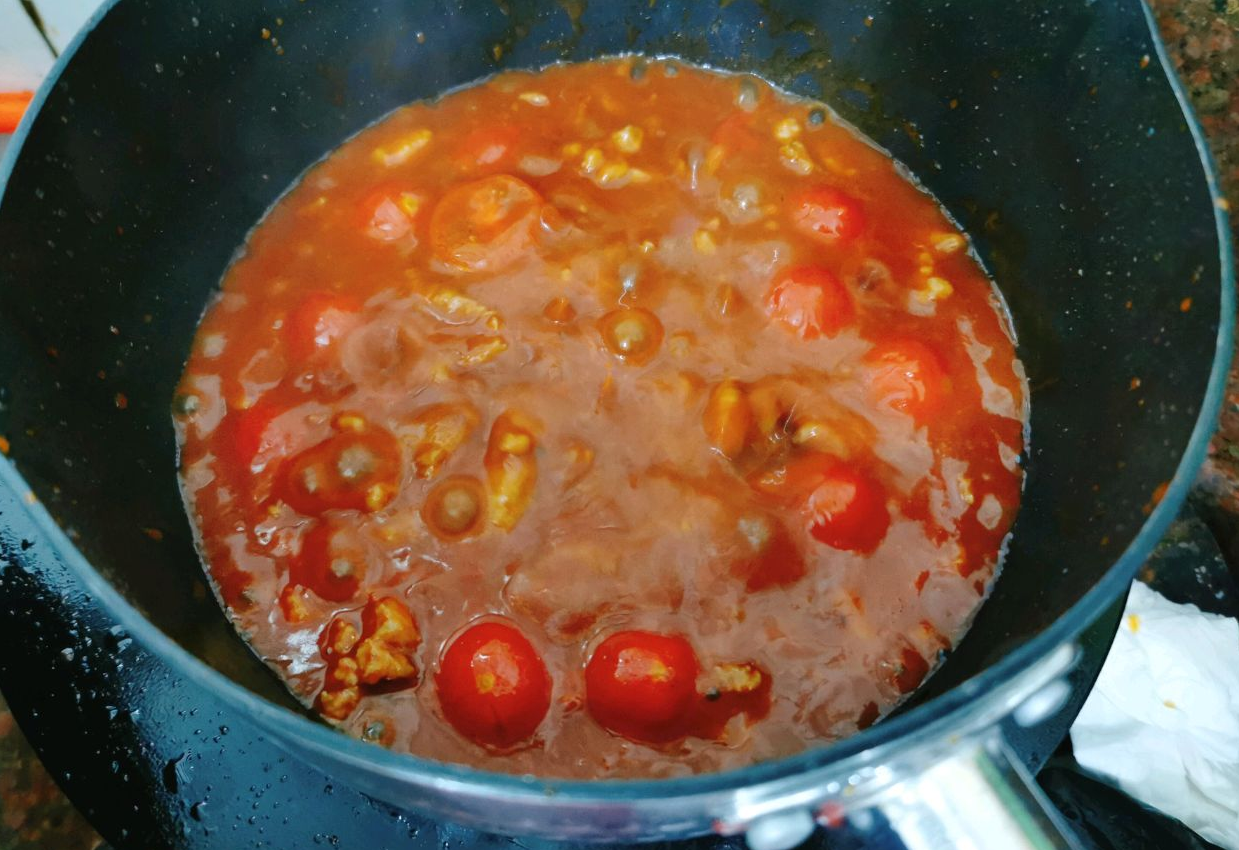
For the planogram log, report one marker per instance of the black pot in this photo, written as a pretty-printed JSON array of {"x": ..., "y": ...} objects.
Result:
[{"x": 1051, "y": 131}]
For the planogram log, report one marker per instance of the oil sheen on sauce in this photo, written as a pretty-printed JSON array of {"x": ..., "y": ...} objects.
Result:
[{"x": 619, "y": 419}]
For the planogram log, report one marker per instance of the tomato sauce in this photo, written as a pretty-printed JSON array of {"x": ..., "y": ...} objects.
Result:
[{"x": 619, "y": 419}]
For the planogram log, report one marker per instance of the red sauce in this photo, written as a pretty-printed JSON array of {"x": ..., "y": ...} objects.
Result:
[{"x": 591, "y": 423}]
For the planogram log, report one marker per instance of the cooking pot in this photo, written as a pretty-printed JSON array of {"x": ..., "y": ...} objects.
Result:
[{"x": 1051, "y": 131}]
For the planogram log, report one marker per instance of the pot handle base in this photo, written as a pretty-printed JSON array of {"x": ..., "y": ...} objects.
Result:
[{"x": 980, "y": 797}]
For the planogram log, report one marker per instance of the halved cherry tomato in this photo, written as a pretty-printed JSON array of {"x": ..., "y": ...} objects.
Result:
[
  {"x": 845, "y": 508},
  {"x": 810, "y": 301},
  {"x": 770, "y": 556},
  {"x": 316, "y": 323},
  {"x": 356, "y": 469},
  {"x": 486, "y": 224},
  {"x": 641, "y": 685},
  {"x": 492, "y": 685},
  {"x": 828, "y": 215},
  {"x": 454, "y": 509},
  {"x": 331, "y": 562},
  {"x": 908, "y": 375}
]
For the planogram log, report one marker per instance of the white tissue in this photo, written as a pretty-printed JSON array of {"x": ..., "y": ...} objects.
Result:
[{"x": 1162, "y": 723}]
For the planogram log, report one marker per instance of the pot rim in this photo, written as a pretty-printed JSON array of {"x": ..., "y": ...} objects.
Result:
[{"x": 997, "y": 678}]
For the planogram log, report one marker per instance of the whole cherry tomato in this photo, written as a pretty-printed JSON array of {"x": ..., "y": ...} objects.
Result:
[
  {"x": 810, "y": 301},
  {"x": 828, "y": 215},
  {"x": 908, "y": 375},
  {"x": 331, "y": 562},
  {"x": 641, "y": 685},
  {"x": 492, "y": 685},
  {"x": 844, "y": 506}
]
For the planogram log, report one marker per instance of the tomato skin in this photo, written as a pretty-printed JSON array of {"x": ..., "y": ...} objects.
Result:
[
  {"x": 389, "y": 214},
  {"x": 810, "y": 301},
  {"x": 642, "y": 685},
  {"x": 843, "y": 506},
  {"x": 331, "y": 562},
  {"x": 828, "y": 215},
  {"x": 316, "y": 323},
  {"x": 493, "y": 686},
  {"x": 909, "y": 376},
  {"x": 484, "y": 225},
  {"x": 355, "y": 469}
]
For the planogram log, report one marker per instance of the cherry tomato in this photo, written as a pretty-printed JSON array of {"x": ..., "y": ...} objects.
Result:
[
  {"x": 642, "y": 685},
  {"x": 790, "y": 484},
  {"x": 908, "y": 375},
  {"x": 908, "y": 673},
  {"x": 316, "y": 323},
  {"x": 770, "y": 556},
  {"x": 455, "y": 507},
  {"x": 331, "y": 562},
  {"x": 388, "y": 214},
  {"x": 810, "y": 301},
  {"x": 845, "y": 508},
  {"x": 356, "y": 469},
  {"x": 250, "y": 430},
  {"x": 486, "y": 146},
  {"x": 492, "y": 685},
  {"x": 848, "y": 511},
  {"x": 828, "y": 215},
  {"x": 484, "y": 225}
]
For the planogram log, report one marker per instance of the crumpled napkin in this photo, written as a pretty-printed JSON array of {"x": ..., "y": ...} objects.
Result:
[{"x": 1162, "y": 722}]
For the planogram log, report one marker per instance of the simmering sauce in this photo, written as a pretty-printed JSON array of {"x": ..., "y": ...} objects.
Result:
[{"x": 618, "y": 419}]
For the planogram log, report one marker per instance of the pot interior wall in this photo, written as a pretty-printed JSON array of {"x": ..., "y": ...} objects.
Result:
[{"x": 1044, "y": 128}]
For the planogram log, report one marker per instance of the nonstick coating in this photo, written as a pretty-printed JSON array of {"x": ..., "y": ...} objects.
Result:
[{"x": 1049, "y": 130}]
